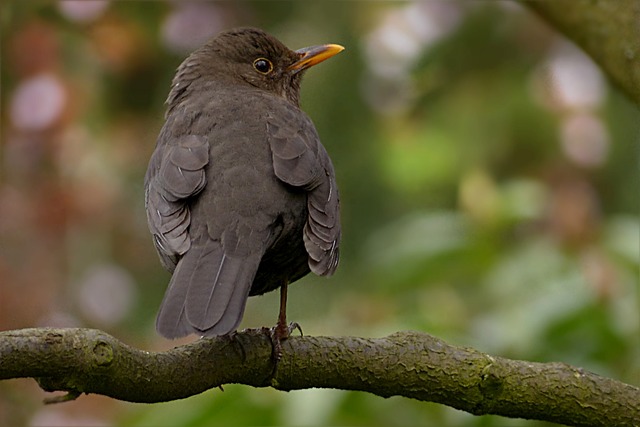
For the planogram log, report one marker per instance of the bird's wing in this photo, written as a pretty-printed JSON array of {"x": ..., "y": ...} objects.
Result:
[
  {"x": 212, "y": 274},
  {"x": 300, "y": 160},
  {"x": 175, "y": 173}
]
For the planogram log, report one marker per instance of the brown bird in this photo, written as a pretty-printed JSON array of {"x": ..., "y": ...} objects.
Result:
[{"x": 240, "y": 194}]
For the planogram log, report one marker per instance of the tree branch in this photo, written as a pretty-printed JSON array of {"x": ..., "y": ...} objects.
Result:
[
  {"x": 410, "y": 364},
  {"x": 608, "y": 31}
]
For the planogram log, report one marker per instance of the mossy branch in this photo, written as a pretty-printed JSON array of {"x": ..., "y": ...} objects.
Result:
[
  {"x": 607, "y": 30},
  {"x": 410, "y": 364}
]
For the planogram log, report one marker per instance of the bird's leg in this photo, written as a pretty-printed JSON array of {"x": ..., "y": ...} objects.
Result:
[{"x": 282, "y": 330}]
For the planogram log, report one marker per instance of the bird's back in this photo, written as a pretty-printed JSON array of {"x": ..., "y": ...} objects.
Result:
[
  {"x": 245, "y": 224},
  {"x": 243, "y": 189}
]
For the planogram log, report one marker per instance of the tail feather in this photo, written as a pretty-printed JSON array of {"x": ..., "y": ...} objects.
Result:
[
  {"x": 207, "y": 293},
  {"x": 235, "y": 308},
  {"x": 171, "y": 321}
]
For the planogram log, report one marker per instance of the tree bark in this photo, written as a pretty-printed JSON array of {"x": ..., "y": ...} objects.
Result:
[
  {"x": 410, "y": 364},
  {"x": 607, "y": 30}
]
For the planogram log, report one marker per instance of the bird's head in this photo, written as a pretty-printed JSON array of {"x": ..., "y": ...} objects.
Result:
[{"x": 249, "y": 56}]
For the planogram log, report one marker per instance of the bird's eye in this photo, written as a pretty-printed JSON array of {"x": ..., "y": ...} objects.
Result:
[{"x": 262, "y": 65}]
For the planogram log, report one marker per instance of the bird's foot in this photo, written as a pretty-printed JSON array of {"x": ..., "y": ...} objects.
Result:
[
  {"x": 277, "y": 335},
  {"x": 282, "y": 331},
  {"x": 232, "y": 338}
]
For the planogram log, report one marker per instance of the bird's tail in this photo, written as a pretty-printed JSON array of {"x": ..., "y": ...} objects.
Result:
[{"x": 208, "y": 291}]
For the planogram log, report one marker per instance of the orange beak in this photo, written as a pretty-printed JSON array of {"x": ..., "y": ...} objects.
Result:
[{"x": 310, "y": 56}]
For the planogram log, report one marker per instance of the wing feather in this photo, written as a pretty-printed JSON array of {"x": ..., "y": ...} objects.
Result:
[
  {"x": 176, "y": 173},
  {"x": 300, "y": 160}
]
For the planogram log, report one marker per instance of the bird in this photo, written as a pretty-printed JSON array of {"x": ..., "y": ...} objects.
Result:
[{"x": 240, "y": 194}]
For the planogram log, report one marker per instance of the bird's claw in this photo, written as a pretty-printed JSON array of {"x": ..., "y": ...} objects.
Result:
[
  {"x": 278, "y": 334},
  {"x": 284, "y": 331},
  {"x": 233, "y": 339}
]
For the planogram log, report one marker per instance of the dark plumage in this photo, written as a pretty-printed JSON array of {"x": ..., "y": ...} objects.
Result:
[{"x": 240, "y": 194}]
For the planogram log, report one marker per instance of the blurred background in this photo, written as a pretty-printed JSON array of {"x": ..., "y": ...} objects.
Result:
[{"x": 488, "y": 175}]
